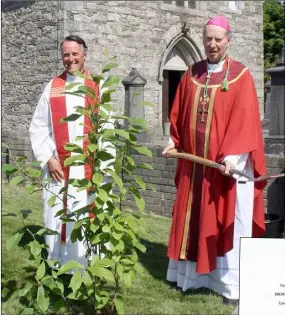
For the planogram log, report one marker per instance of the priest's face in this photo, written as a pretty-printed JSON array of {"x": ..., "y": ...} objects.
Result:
[
  {"x": 73, "y": 56},
  {"x": 216, "y": 42}
]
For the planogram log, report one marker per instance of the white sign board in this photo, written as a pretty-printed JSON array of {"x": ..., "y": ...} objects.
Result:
[{"x": 262, "y": 276}]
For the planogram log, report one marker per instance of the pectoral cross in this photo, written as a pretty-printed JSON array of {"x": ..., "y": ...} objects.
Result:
[{"x": 203, "y": 110}]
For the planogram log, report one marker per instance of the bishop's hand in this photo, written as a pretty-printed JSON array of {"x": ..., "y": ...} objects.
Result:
[
  {"x": 169, "y": 147},
  {"x": 226, "y": 168}
]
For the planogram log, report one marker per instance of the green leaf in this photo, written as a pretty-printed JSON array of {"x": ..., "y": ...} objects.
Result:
[
  {"x": 119, "y": 306},
  {"x": 58, "y": 304},
  {"x": 104, "y": 156},
  {"x": 73, "y": 158},
  {"x": 48, "y": 281},
  {"x": 130, "y": 160},
  {"x": 94, "y": 227},
  {"x": 92, "y": 147},
  {"x": 106, "y": 229},
  {"x": 111, "y": 81},
  {"x": 13, "y": 241},
  {"x": 41, "y": 271},
  {"x": 138, "y": 268},
  {"x": 76, "y": 281},
  {"x": 31, "y": 189},
  {"x": 46, "y": 231},
  {"x": 36, "y": 174},
  {"x": 97, "y": 178},
  {"x": 117, "y": 235},
  {"x": 71, "y": 117},
  {"x": 141, "y": 247},
  {"x": 87, "y": 279},
  {"x": 143, "y": 151},
  {"x": 70, "y": 86},
  {"x": 25, "y": 290},
  {"x": 122, "y": 133},
  {"x": 106, "y": 262},
  {"x": 71, "y": 147},
  {"x": 139, "y": 122},
  {"x": 102, "y": 273},
  {"x": 21, "y": 158},
  {"x": 27, "y": 311},
  {"x": 106, "y": 98},
  {"x": 16, "y": 180},
  {"x": 116, "y": 178},
  {"x": 107, "y": 67},
  {"x": 98, "y": 238},
  {"x": 76, "y": 235},
  {"x": 107, "y": 106},
  {"x": 139, "y": 201},
  {"x": 25, "y": 213},
  {"x": 77, "y": 295},
  {"x": 86, "y": 90},
  {"x": 102, "y": 194},
  {"x": 70, "y": 265},
  {"x": 52, "y": 263},
  {"x": 132, "y": 222},
  {"x": 118, "y": 226},
  {"x": 51, "y": 201},
  {"x": 129, "y": 278},
  {"x": 35, "y": 248},
  {"x": 140, "y": 182},
  {"x": 42, "y": 299},
  {"x": 60, "y": 286},
  {"x": 97, "y": 78},
  {"x": 9, "y": 169},
  {"x": 144, "y": 166}
]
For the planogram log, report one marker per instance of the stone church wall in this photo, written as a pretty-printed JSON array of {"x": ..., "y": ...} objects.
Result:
[{"x": 137, "y": 32}]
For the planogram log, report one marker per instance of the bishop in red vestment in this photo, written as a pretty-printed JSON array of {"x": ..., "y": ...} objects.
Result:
[{"x": 215, "y": 115}]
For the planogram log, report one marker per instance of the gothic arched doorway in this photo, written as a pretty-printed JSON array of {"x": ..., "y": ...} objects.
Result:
[{"x": 178, "y": 56}]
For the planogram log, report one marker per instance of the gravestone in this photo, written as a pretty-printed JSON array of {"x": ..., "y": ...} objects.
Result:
[{"x": 134, "y": 96}]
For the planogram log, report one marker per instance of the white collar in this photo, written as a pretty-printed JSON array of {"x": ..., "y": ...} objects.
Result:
[{"x": 215, "y": 67}]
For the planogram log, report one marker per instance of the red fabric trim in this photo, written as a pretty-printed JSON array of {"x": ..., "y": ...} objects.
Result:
[{"x": 61, "y": 133}]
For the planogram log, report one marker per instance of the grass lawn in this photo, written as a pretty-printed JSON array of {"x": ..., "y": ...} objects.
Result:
[{"x": 150, "y": 293}]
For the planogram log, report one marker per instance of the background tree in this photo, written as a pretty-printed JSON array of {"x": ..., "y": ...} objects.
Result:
[{"x": 274, "y": 32}]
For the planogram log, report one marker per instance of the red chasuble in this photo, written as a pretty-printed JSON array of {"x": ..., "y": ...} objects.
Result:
[
  {"x": 204, "y": 210},
  {"x": 60, "y": 130}
]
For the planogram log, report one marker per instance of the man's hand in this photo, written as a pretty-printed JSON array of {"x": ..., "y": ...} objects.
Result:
[
  {"x": 169, "y": 147},
  {"x": 225, "y": 169},
  {"x": 55, "y": 169}
]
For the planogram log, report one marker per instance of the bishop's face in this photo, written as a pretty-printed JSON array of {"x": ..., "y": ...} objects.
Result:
[
  {"x": 215, "y": 42},
  {"x": 73, "y": 56}
]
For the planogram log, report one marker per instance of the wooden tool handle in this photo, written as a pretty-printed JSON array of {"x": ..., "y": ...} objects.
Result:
[{"x": 187, "y": 156}]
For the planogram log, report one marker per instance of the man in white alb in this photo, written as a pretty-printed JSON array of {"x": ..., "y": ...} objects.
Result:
[{"x": 48, "y": 137}]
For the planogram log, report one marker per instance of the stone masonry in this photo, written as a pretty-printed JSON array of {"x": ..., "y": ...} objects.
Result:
[{"x": 139, "y": 33}]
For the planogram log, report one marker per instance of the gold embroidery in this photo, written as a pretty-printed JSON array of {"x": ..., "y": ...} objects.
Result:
[
  {"x": 209, "y": 121},
  {"x": 188, "y": 216},
  {"x": 189, "y": 204},
  {"x": 202, "y": 110},
  {"x": 57, "y": 92},
  {"x": 217, "y": 85}
]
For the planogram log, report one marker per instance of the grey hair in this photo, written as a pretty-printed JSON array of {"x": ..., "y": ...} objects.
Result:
[
  {"x": 77, "y": 39},
  {"x": 228, "y": 33}
]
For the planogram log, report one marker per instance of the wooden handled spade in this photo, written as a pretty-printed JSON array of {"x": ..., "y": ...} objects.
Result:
[{"x": 182, "y": 155}]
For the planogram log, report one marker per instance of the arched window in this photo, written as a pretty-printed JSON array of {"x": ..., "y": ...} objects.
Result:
[{"x": 178, "y": 56}]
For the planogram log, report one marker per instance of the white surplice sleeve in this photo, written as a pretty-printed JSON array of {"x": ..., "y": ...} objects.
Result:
[
  {"x": 239, "y": 161},
  {"x": 40, "y": 130}
]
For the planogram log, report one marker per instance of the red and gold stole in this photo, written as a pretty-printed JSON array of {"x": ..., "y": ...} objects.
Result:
[{"x": 60, "y": 130}]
